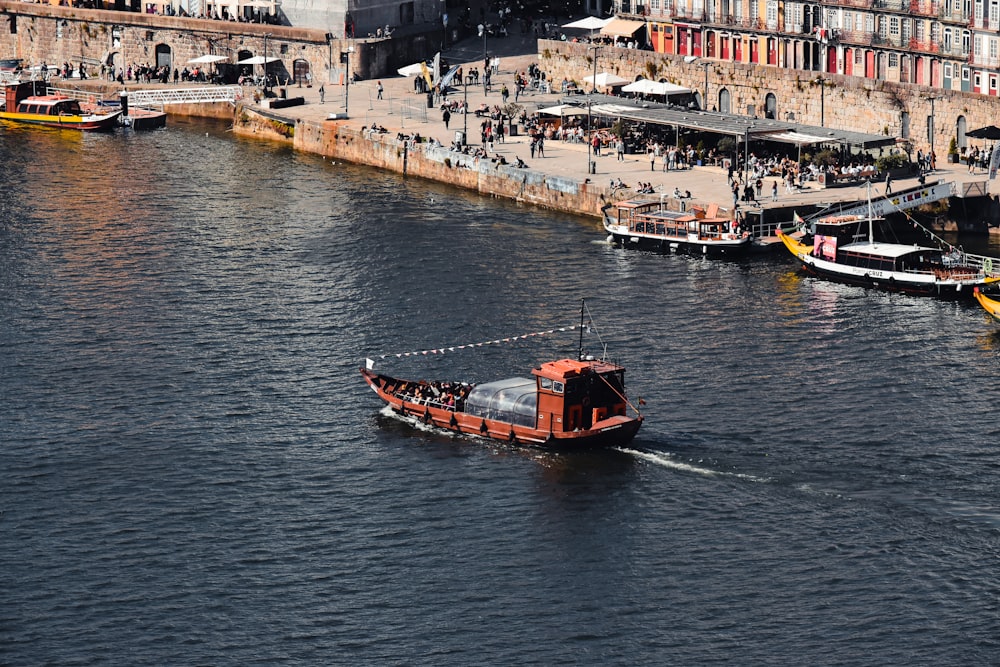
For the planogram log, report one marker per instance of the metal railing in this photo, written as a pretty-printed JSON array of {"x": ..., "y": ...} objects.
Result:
[
  {"x": 410, "y": 110},
  {"x": 208, "y": 94}
]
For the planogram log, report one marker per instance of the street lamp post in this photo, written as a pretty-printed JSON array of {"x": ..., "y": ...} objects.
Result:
[
  {"x": 704, "y": 92},
  {"x": 267, "y": 81},
  {"x": 486, "y": 55},
  {"x": 591, "y": 165},
  {"x": 465, "y": 110},
  {"x": 822, "y": 101},
  {"x": 930, "y": 130},
  {"x": 347, "y": 81}
]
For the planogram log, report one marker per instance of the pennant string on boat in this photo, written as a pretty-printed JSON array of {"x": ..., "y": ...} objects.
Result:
[{"x": 498, "y": 341}]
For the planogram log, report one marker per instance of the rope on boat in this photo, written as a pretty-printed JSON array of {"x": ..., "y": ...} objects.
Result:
[{"x": 498, "y": 341}]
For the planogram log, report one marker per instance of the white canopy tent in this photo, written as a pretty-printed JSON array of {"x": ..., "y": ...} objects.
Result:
[
  {"x": 207, "y": 60},
  {"x": 648, "y": 87},
  {"x": 257, "y": 60},
  {"x": 605, "y": 80},
  {"x": 411, "y": 70},
  {"x": 590, "y": 23},
  {"x": 563, "y": 110}
]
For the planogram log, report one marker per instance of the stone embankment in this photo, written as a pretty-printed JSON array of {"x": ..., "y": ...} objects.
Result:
[{"x": 344, "y": 140}]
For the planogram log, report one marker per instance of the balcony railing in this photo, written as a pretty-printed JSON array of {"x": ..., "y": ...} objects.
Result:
[
  {"x": 951, "y": 15},
  {"x": 922, "y": 8},
  {"x": 892, "y": 5},
  {"x": 984, "y": 61}
]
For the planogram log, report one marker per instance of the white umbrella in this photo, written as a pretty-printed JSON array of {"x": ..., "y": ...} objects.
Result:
[
  {"x": 256, "y": 60},
  {"x": 207, "y": 60},
  {"x": 588, "y": 23},
  {"x": 563, "y": 110},
  {"x": 605, "y": 79},
  {"x": 416, "y": 69},
  {"x": 647, "y": 87}
]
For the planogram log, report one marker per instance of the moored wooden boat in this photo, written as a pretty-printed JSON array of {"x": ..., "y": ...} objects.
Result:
[
  {"x": 844, "y": 249},
  {"x": 567, "y": 404},
  {"x": 990, "y": 305},
  {"x": 647, "y": 224},
  {"x": 24, "y": 104}
]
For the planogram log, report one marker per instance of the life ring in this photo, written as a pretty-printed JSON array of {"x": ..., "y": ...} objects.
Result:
[{"x": 987, "y": 265}]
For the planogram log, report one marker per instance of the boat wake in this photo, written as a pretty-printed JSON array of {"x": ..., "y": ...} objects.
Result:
[{"x": 667, "y": 461}]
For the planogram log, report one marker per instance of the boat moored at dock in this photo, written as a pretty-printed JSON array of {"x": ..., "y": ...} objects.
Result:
[
  {"x": 648, "y": 224},
  {"x": 843, "y": 248},
  {"x": 27, "y": 102}
]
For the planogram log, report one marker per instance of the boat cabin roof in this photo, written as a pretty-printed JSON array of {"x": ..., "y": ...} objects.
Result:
[
  {"x": 570, "y": 368},
  {"x": 893, "y": 250},
  {"x": 45, "y": 100}
]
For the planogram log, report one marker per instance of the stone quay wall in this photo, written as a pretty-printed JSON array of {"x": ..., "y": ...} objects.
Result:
[
  {"x": 343, "y": 141},
  {"x": 54, "y": 34},
  {"x": 846, "y": 102}
]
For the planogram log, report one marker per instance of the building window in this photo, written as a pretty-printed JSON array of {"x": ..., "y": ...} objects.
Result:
[
  {"x": 993, "y": 84},
  {"x": 947, "y": 70},
  {"x": 965, "y": 74},
  {"x": 966, "y": 41},
  {"x": 993, "y": 50},
  {"x": 977, "y": 80},
  {"x": 979, "y": 46},
  {"x": 893, "y": 60},
  {"x": 894, "y": 26}
]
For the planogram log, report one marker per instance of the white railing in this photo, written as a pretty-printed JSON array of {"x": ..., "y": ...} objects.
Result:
[{"x": 160, "y": 97}]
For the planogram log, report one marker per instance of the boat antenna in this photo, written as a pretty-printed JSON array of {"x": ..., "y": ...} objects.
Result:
[{"x": 590, "y": 328}]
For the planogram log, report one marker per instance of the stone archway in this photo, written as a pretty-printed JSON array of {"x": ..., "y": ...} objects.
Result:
[
  {"x": 164, "y": 56},
  {"x": 770, "y": 106},
  {"x": 960, "y": 128},
  {"x": 725, "y": 101},
  {"x": 301, "y": 73}
]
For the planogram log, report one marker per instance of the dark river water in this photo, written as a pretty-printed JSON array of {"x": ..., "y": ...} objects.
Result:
[{"x": 193, "y": 473}]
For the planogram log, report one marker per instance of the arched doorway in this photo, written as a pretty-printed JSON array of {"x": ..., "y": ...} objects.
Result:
[
  {"x": 163, "y": 56},
  {"x": 960, "y": 128},
  {"x": 770, "y": 106},
  {"x": 725, "y": 101},
  {"x": 300, "y": 72},
  {"x": 904, "y": 125}
]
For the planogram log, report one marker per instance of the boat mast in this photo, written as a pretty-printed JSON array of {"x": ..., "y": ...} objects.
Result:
[
  {"x": 871, "y": 215},
  {"x": 583, "y": 305}
]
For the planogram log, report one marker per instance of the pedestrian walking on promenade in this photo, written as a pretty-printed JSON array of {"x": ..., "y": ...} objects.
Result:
[
  {"x": 446, "y": 116},
  {"x": 322, "y": 94},
  {"x": 379, "y": 89}
]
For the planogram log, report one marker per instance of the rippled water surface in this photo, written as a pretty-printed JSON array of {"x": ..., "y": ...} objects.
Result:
[{"x": 192, "y": 472}]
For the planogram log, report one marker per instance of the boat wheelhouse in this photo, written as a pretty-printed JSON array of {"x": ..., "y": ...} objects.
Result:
[
  {"x": 648, "y": 224},
  {"x": 26, "y": 102}
]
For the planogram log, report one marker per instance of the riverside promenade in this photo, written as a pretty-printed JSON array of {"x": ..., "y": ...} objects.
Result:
[{"x": 401, "y": 111}]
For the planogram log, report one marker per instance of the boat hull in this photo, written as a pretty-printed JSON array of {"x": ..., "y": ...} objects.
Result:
[
  {"x": 668, "y": 245},
  {"x": 94, "y": 122},
  {"x": 613, "y": 431},
  {"x": 991, "y": 306}
]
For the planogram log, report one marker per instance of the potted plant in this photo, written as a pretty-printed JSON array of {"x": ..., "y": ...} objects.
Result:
[{"x": 953, "y": 151}]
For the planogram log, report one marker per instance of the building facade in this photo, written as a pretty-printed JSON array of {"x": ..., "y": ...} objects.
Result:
[{"x": 945, "y": 44}]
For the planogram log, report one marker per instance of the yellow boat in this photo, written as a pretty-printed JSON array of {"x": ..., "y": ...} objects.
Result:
[
  {"x": 991, "y": 306},
  {"x": 22, "y": 105}
]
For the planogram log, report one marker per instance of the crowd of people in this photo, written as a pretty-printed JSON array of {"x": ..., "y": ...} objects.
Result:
[{"x": 445, "y": 395}]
